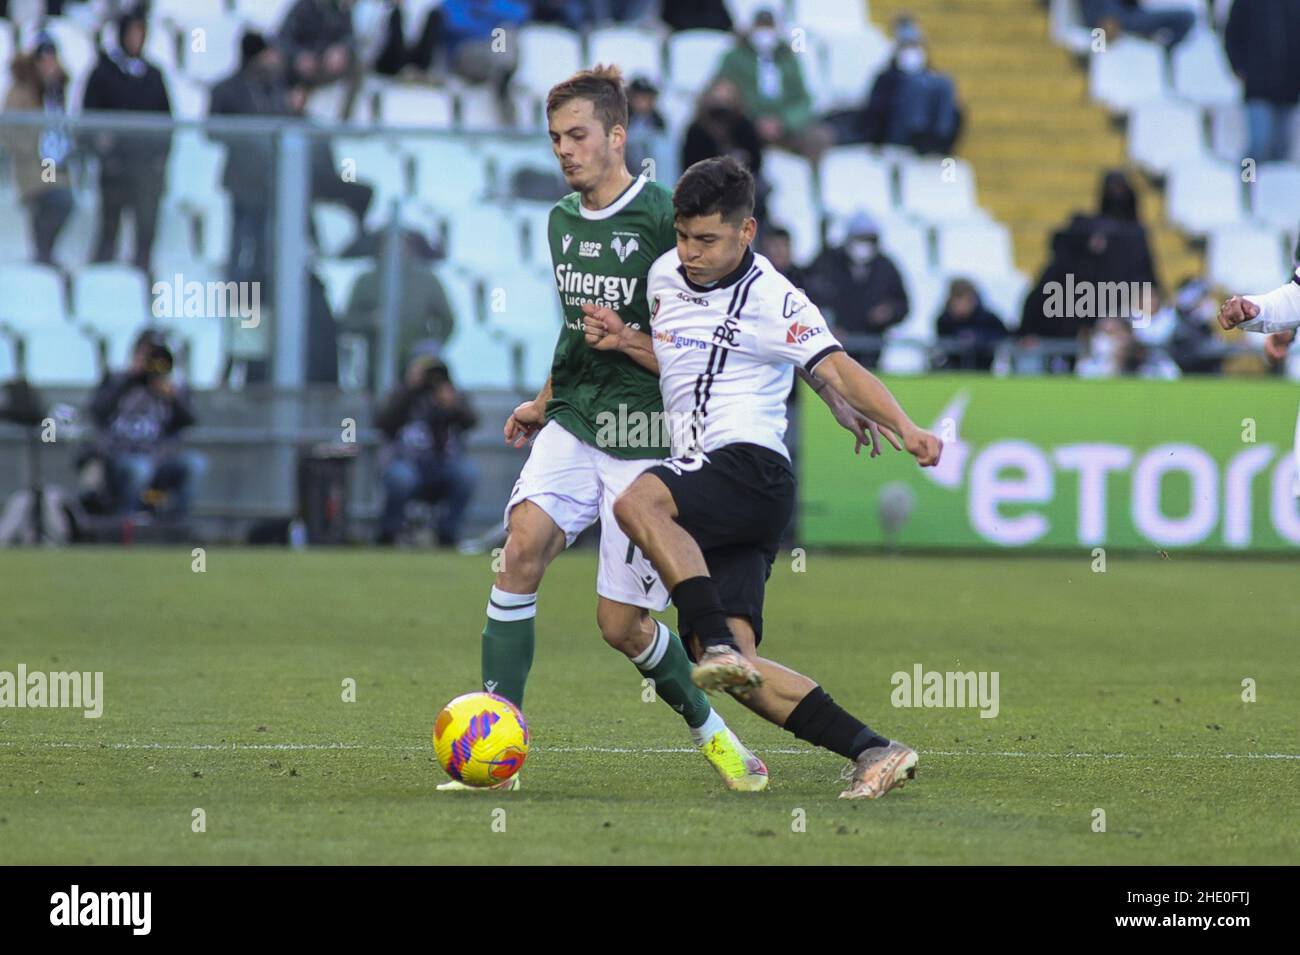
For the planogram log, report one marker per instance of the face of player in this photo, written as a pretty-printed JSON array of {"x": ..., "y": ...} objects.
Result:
[
  {"x": 711, "y": 248},
  {"x": 588, "y": 155}
]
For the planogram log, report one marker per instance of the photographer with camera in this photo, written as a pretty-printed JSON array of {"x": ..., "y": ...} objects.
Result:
[
  {"x": 424, "y": 419},
  {"x": 139, "y": 415}
]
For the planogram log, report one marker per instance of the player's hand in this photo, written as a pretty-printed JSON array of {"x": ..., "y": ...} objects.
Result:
[
  {"x": 524, "y": 422},
  {"x": 1235, "y": 311},
  {"x": 866, "y": 431},
  {"x": 923, "y": 446},
  {"x": 1278, "y": 344},
  {"x": 601, "y": 326}
]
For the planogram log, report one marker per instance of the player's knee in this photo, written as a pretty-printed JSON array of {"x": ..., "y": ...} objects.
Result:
[
  {"x": 633, "y": 507},
  {"x": 623, "y": 632},
  {"x": 523, "y": 561}
]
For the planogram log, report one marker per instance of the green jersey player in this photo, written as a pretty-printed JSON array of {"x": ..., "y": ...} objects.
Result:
[{"x": 596, "y": 424}]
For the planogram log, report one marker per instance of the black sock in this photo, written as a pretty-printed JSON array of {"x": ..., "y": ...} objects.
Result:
[
  {"x": 699, "y": 611},
  {"x": 819, "y": 720}
]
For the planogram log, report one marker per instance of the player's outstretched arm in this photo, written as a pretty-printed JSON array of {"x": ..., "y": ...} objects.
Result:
[
  {"x": 868, "y": 394},
  {"x": 866, "y": 431},
  {"x": 605, "y": 331},
  {"x": 1276, "y": 311}
]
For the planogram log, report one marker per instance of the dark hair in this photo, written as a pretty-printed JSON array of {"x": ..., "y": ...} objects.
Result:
[
  {"x": 603, "y": 86},
  {"x": 720, "y": 185}
]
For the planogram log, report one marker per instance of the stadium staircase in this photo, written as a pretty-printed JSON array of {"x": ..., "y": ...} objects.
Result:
[{"x": 1038, "y": 143}]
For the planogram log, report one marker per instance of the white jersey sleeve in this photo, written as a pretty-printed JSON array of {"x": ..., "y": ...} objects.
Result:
[
  {"x": 793, "y": 329},
  {"x": 1279, "y": 310}
]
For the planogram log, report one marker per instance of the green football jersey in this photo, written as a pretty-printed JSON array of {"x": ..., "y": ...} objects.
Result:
[{"x": 604, "y": 256}]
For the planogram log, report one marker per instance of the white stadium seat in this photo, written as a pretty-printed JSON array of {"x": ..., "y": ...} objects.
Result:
[
  {"x": 31, "y": 296},
  {"x": 852, "y": 60},
  {"x": 693, "y": 57},
  {"x": 1003, "y": 295},
  {"x": 1200, "y": 196},
  {"x": 547, "y": 55},
  {"x": 194, "y": 166},
  {"x": 484, "y": 237},
  {"x": 1162, "y": 135},
  {"x": 980, "y": 247},
  {"x": 376, "y": 163},
  {"x": 210, "y": 48},
  {"x": 336, "y": 227},
  {"x": 16, "y": 239},
  {"x": 828, "y": 16},
  {"x": 1275, "y": 194},
  {"x": 1067, "y": 27},
  {"x": 338, "y": 276},
  {"x": 110, "y": 298},
  {"x": 1228, "y": 132},
  {"x": 1201, "y": 71},
  {"x": 189, "y": 97},
  {"x": 907, "y": 243},
  {"x": 1129, "y": 72},
  {"x": 1246, "y": 258},
  {"x": 938, "y": 190},
  {"x": 6, "y": 43},
  {"x": 417, "y": 106},
  {"x": 448, "y": 172},
  {"x": 854, "y": 178},
  {"x": 185, "y": 12},
  {"x": 477, "y": 109},
  {"x": 636, "y": 52},
  {"x": 530, "y": 319},
  {"x": 534, "y": 217},
  {"x": 202, "y": 357},
  {"x": 58, "y": 354}
]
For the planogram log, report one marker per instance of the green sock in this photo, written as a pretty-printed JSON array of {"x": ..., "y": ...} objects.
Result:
[
  {"x": 508, "y": 640},
  {"x": 665, "y": 661}
]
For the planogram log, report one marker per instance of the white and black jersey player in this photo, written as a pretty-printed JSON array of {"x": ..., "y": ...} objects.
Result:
[
  {"x": 727, "y": 333},
  {"x": 1276, "y": 314}
]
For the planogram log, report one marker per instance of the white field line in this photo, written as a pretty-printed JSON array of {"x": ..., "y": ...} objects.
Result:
[{"x": 639, "y": 751}]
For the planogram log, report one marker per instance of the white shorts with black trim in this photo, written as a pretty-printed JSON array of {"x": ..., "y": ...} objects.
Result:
[{"x": 575, "y": 484}]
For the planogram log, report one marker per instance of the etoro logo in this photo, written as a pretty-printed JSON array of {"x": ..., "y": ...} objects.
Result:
[{"x": 797, "y": 334}]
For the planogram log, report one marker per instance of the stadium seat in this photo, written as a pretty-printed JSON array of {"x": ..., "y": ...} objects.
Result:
[
  {"x": 1275, "y": 194},
  {"x": 486, "y": 236},
  {"x": 448, "y": 172},
  {"x": 1067, "y": 26},
  {"x": 336, "y": 228},
  {"x": 534, "y": 217},
  {"x": 31, "y": 296},
  {"x": 851, "y": 61},
  {"x": 478, "y": 358},
  {"x": 743, "y": 11},
  {"x": 189, "y": 98},
  {"x": 110, "y": 299},
  {"x": 1246, "y": 258},
  {"x": 477, "y": 110},
  {"x": 379, "y": 165},
  {"x": 852, "y": 178},
  {"x": 528, "y": 316},
  {"x": 1162, "y": 135},
  {"x": 506, "y": 157},
  {"x": 907, "y": 243},
  {"x": 177, "y": 239},
  {"x": 8, "y": 359},
  {"x": 547, "y": 55},
  {"x": 1200, "y": 196},
  {"x": 191, "y": 12},
  {"x": 265, "y": 16},
  {"x": 693, "y": 58},
  {"x": 981, "y": 247},
  {"x": 1201, "y": 71},
  {"x": 194, "y": 167},
  {"x": 6, "y": 44},
  {"x": 59, "y": 354},
  {"x": 1228, "y": 132},
  {"x": 415, "y": 106},
  {"x": 1131, "y": 71},
  {"x": 829, "y": 18},
  {"x": 202, "y": 354},
  {"x": 210, "y": 48},
  {"x": 636, "y": 52},
  {"x": 1003, "y": 294},
  {"x": 938, "y": 190},
  {"x": 793, "y": 200}
]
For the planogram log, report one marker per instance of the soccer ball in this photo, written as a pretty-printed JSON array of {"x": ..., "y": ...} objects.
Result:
[{"x": 481, "y": 739}]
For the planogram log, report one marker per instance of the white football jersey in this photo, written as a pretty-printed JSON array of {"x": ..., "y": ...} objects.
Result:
[{"x": 727, "y": 352}]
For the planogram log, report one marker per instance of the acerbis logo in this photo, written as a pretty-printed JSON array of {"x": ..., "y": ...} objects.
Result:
[{"x": 797, "y": 334}]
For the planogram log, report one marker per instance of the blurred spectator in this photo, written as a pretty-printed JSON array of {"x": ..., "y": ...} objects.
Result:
[
  {"x": 1263, "y": 44},
  {"x": 774, "y": 242},
  {"x": 772, "y": 89},
  {"x": 721, "y": 128},
  {"x": 1185, "y": 329},
  {"x": 975, "y": 330},
  {"x": 326, "y": 183},
  {"x": 1166, "y": 27},
  {"x": 256, "y": 89},
  {"x": 39, "y": 154},
  {"x": 424, "y": 311},
  {"x": 604, "y": 12},
  {"x": 577, "y": 15},
  {"x": 139, "y": 415},
  {"x": 647, "y": 134},
  {"x": 910, "y": 103},
  {"x": 424, "y": 420},
  {"x": 462, "y": 31},
  {"x": 696, "y": 15},
  {"x": 132, "y": 165},
  {"x": 316, "y": 37},
  {"x": 858, "y": 286}
]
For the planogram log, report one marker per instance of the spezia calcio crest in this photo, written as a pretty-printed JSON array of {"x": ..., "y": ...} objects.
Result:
[{"x": 624, "y": 244}]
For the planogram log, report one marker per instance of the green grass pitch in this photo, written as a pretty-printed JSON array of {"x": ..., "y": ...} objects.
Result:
[{"x": 1119, "y": 691}]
